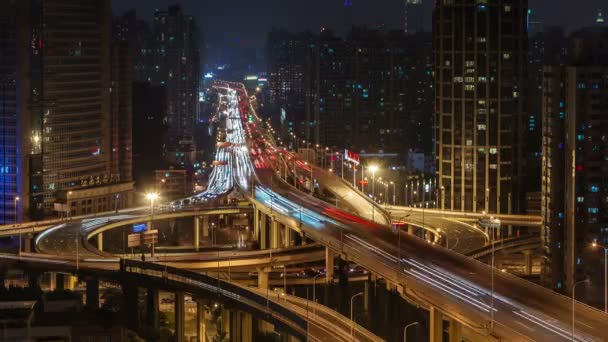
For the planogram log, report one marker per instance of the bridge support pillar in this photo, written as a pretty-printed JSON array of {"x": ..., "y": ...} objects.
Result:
[
  {"x": 303, "y": 237},
  {"x": 455, "y": 331},
  {"x": 92, "y": 293},
  {"x": 197, "y": 230},
  {"x": 69, "y": 282},
  {"x": 263, "y": 277},
  {"x": 527, "y": 263},
  {"x": 256, "y": 225},
  {"x": 100, "y": 242},
  {"x": 33, "y": 280},
  {"x": 59, "y": 281},
  {"x": 263, "y": 233},
  {"x": 52, "y": 281},
  {"x": 206, "y": 226},
  {"x": 179, "y": 316},
  {"x": 152, "y": 308},
  {"x": 240, "y": 326},
  {"x": 329, "y": 265},
  {"x": 274, "y": 234},
  {"x": 200, "y": 322},
  {"x": 287, "y": 236},
  {"x": 27, "y": 244},
  {"x": 435, "y": 325}
]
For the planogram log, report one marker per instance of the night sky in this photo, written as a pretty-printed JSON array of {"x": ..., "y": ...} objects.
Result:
[{"x": 246, "y": 22}]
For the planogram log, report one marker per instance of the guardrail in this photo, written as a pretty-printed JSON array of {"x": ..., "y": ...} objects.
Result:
[
  {"x": 504, "y": 244},
  {"x": 223, "y": 289}
]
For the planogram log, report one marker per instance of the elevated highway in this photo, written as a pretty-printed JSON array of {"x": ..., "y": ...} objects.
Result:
[
  {"x": 303, "y": 319},
  {"x": 442, "y": 280}
]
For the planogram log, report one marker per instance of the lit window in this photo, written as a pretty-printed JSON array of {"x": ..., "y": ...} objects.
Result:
[
  {"x": 593, "y": 210},
  {"x": 595, "y": 188},
  {"x": 506, "y": 55},
  {"x": 493, "y": 150},
  {"x": 507, "y": 8},
  {"x": 481, "y": 127},
  {"x": 580, "y": 199}
]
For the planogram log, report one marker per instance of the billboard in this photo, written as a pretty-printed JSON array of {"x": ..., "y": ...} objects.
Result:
[{"x": 352, "y": 157}]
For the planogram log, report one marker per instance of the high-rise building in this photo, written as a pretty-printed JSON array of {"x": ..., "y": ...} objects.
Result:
[
  {"x": 414, "y": 16},
  {"x": 575, "y": 161},
  {"x": 58, "y": 72},
  {"x": 176, "y": 64},
  {"x": 12, "y": 179},
  {"x": 370, "y": 91},
  {"x": 480, "y": 82}
]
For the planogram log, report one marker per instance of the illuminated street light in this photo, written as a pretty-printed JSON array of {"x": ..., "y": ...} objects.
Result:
[
  {"x": 373, "y": 169},
  {"x": 15, "y": 201},
  {"x": 596, "y": 245}
]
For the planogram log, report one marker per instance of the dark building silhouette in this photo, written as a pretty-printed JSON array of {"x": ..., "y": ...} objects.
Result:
[
  {"x": 575, "y": 162},
  {"x": 370, "y": 91}
]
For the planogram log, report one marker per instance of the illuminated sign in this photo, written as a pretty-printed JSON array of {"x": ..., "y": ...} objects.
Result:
[
  {"x": 140, "y": 227},
  {"x": 352, "y": 157}
]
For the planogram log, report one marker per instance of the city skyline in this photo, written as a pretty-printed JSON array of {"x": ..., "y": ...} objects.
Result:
[{"x": 258, "y": 19}]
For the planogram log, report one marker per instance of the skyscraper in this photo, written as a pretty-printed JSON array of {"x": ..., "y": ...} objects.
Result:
[
  {"x": 575, "y": 162},
  {"x": 57, "y": 70},
  {"x": 480, "y": 67},
  {"x": 177, "y": 65},
  {"x": 414, "y": 16}
]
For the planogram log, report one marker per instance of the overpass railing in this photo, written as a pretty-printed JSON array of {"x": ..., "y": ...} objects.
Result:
[
  {"x": 214, "y": 285},
  {"x": 500, "y": 245}
]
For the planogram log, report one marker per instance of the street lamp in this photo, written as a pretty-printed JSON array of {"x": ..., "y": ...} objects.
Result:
[
  {"x": 595, "y": 245},
  {"x": 352, "y": 323},
  {"x": 394, "y": 195},
  {"x": 15, "y": 201},
  {"x": 312, "y": 184},
  {"x": 373, "y": 169},
  {"x": 314, "y": 287},
  {"x": 574, "y": 301},
  {"x": 442, "y": 197},
  {"x": 405, "y": 330}
]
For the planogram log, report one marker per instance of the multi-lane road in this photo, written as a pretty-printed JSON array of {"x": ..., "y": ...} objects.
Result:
[{"x": 456, "y": 285}]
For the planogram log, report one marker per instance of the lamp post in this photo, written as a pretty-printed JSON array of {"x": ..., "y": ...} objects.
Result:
[
  {"x": 312, "y": 182},
  {"x": 442, "y": 189},
  {"x": 352, "y": 323},
  {"x": 15, "y": 201},
  {"x": 595, "y": 244},
  {"x": 574, "y": 301},
  {"x": 314, "y": 287},
  {"x": 151, "y": 196},
  {"x": 373, "y": 170},
  {"x": 405, "y": 330},
  {"x": 394, "y": 195},
  {"x": 487, "y": 200},
  {"x": 494, "y": 223}
]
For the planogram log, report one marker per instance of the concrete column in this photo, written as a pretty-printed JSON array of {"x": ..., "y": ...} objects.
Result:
[
  {"x": 366, "y": 296},
  {"x": 206, "y": 226},
  {"x": 410, "y": 229},
  {"x": 287, "y": 236},
  {"x": 527, "y": 262},
  {"x": 263, "y": 277},
  {"x": 179, "y": 317},
  {"x": 52, "y": 281},
  {"x": 33, "y": 280},
  {"x": 92, "y": 293},
  {"x": 274, "y": 234},
  {"x": 27, "y": 244},
  {"x": 263, "y": 233},
  {"x": 246, "y": 327},
  {"x": 455, "y": 331},
  {"x": 100, "y": 242},
  {"x": 200, "y": 322},
  {"x": 264, "y": 326},
  {"x": 435, "y": 325},
  {"x": 227, "y": 322},
  {"x": 69, "y": 282},
  {"x": 197, "y": 238},
  {"x": 303, "y": 236},
  {"x": 256, "y": 225},
  {"x": 329, "y": 265},
  {"x": 152, "y": 307}
]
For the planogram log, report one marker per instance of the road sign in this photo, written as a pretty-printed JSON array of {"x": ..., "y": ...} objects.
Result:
[
  {"x": 139, "y": 227},
  {"x": 134, "y": 240},
  {"x": 150, "y": 237}
]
